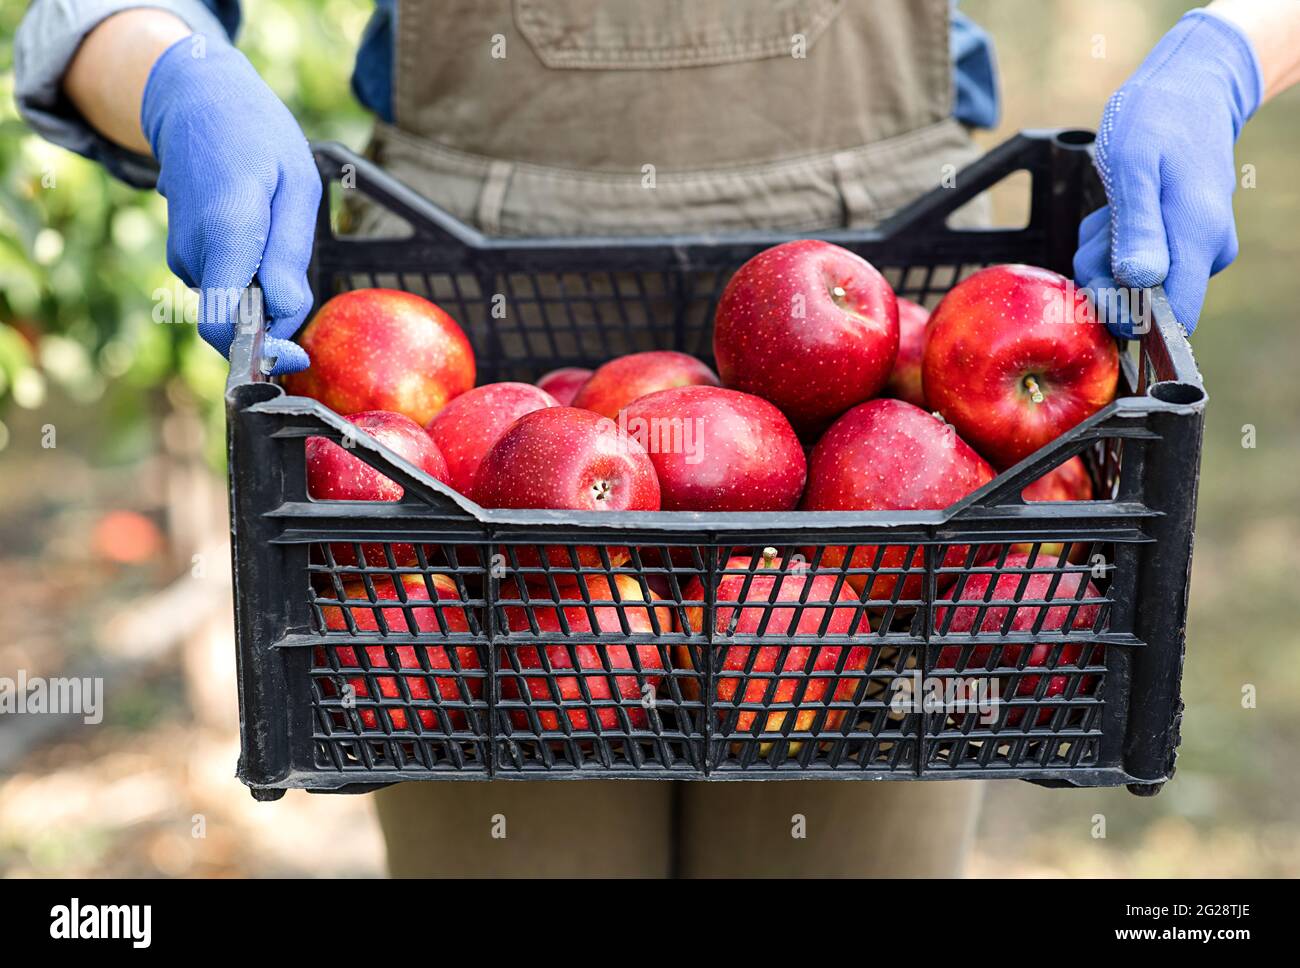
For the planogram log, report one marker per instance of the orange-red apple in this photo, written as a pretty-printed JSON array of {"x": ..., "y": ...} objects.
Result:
[
  {"x": 627, "y": 378},
  {"x": 384, "y": 349}
]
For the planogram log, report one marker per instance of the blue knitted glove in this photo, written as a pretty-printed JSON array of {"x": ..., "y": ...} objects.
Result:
[
  {"x": 242, "y": 190},
  {"x": 1165, "y": 157}
]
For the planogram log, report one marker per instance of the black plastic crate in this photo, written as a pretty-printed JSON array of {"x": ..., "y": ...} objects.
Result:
[{"x": 487, "y": 657}]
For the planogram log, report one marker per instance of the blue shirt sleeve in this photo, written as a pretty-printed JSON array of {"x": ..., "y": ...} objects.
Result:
[
  {"x": 974, "y": 72},
  {"x": 372, "y": 76},
  {"x": 44, "y": 45}
]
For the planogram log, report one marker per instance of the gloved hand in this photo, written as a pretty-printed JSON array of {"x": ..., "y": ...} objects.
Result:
[
  {"x": 1165, "y": 157},
  {"x": 241, "y": 188}
]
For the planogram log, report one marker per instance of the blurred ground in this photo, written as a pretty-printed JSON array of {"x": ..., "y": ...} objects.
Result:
[
  {"x": 127, "y": 798},
  {"x": 151, "y": 791}
]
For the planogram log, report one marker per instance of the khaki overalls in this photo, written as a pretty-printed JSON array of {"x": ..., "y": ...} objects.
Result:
[{"x": 567, "y": 117}]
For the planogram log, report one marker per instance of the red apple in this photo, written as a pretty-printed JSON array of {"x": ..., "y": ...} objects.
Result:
[
  {"x": 610, "y": 664},
  {"x": 905, "y": 379},
  {"x": 622, "y": 380},
  {"x": 1036, "y": 587},
  {"x": 1014, "y": 357},
  {"x": 383, "y": 349},
  {"x": 1067, "y": 482},
  {"x": 563, "y": 384},
  {"x": 887, "y": 455},
  {"x": 718, "y": 450},
  {"x": 333, "y": 474},
  {"x": 467, "y": 427},
  {"x": 809, "y": 326},
  {"x": 450, "y": 688},
  {"x": 563, "y": 457},
  {"x": 736, "y": 683}
]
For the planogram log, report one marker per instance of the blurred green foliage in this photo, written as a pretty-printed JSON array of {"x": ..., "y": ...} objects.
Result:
[{"x": 83, "y": 256}]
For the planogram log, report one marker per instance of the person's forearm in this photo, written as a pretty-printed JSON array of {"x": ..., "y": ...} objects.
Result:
[
  {"x": 1273, "y": 27},
  {"x": 107, "y": 77}
]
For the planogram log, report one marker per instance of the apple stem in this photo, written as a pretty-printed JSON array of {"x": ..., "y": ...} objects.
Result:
[
  {"x": 838, "y": 292},
  {"x": 1035, "y": 392},
  {"x": 769, "y": 557}
]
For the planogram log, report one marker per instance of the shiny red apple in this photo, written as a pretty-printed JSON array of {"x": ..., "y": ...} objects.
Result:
[
  {"x": 1079, "y": 608},
  {"x": 606, "y": 670},
  {"x": 1014, "y": 357},
  {"x": 563, "y": 457},
  {"x": 446, "y": 661},
  {"x": 466, "y": 428},
  {"x": 384, "y": 349},
  {"x": 809, "y": 326},
  {"x": 887, "y": 455},
  {"x": 563, "y": 384},
  {"x": 718, "y": 450},
  {"x": 335, "y": 474},
  {"x": 905, "y": 379},
  {"x": 622, "y": 380},
  {"x": 1066, "y": 482},
  {"x": 744, "y": 611}
]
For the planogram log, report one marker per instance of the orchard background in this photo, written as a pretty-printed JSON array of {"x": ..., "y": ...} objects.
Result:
[{"x": 113, "y": 525}]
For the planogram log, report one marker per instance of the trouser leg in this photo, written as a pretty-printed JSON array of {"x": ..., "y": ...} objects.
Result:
[
  {"x": 549, "y": 828},
  {"x": 828, "y": 828}
]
